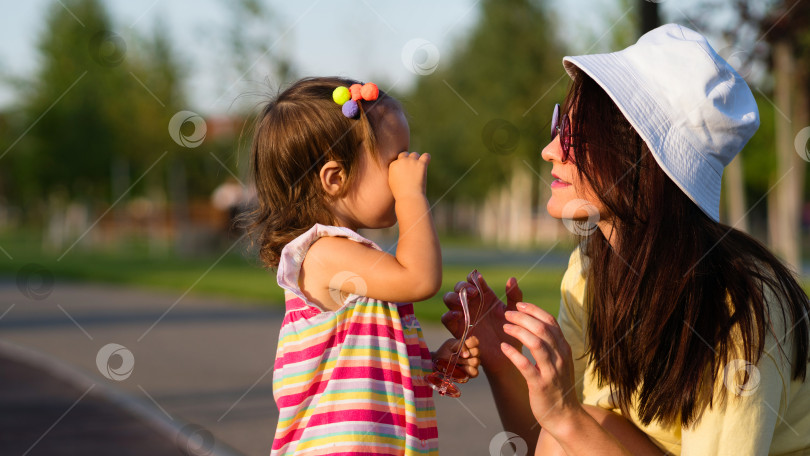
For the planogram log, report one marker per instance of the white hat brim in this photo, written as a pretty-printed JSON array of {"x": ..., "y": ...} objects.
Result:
[{"x": 681, "y": 160}]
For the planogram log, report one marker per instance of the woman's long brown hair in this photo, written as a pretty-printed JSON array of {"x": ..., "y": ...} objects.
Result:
[
  {"x": 681, "y": 295},
  {"x": 295, "y": 135}
]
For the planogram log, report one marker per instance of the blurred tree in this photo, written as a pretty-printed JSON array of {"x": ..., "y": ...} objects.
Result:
[
  {"x": 650, "y": 18},
  {"x": 618, "y": 26},
  {"x": 486, "y": 110},
  {"x": 252, "y": 66},
  {"x": 253, "y": 44},
  {"x": 68, "y": 144},
  {"x": 154, "y": 94},
  {"x": 96, "y": 110}
]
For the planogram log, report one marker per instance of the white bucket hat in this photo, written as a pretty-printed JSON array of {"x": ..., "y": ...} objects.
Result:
[{"x": 688, "y": 104}]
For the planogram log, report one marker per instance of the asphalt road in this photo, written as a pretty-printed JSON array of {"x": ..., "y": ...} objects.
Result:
[{"x": 196, "y": 367}]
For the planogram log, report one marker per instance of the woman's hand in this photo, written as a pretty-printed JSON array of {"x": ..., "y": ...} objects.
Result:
[
  {"x": 551, "y": 380},
  {"x": 468, "y": 361},
  {"x": 490, "y": 318}
]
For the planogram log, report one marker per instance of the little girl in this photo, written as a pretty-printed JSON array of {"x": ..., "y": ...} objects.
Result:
[{"x": 329, "y": 157}]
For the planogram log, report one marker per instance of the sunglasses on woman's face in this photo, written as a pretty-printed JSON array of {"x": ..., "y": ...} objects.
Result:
[{"x": 562, "y": 127}]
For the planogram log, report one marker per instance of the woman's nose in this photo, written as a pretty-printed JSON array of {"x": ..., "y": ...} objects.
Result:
[{"x": 553, "y": 151}]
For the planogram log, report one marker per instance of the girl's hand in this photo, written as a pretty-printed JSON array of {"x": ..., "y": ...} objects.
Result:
[
  {"x": 551, "y": 380},
  {"x": 469, "y": 360},
  {"x": 407, "y": 174},
  {"x": 489, "y": 326}
]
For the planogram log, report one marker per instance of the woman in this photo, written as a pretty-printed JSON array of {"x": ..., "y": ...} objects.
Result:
[{"x": 675, "y": 332}]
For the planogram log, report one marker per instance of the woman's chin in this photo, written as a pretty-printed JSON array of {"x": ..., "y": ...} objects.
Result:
[{"x": 554, "y": 209}]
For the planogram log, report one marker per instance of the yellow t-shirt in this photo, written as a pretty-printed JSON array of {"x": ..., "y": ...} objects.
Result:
[{"x": 771, "y": 417}]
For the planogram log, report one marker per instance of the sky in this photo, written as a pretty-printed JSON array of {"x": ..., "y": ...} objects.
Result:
[{"x": 387, "y": 41}]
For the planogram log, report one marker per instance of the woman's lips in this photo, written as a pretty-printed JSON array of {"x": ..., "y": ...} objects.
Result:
[{"x": 558, "y": 183}]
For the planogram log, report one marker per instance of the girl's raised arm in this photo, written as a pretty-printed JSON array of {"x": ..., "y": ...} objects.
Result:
[{"x": 415, "y": 272}]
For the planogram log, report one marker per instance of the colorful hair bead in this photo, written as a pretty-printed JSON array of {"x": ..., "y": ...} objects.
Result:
[
  {"x": 370, "y": 91},
  {"x": 355, "y": 90},
  {"x": 348, "y": 97},
  {"x": 350, "y": 109},
  {"x": 341, "y": 95}
]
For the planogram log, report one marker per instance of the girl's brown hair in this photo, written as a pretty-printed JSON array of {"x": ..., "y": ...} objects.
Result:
[
  {"x": 681, "y": 295},
  {"x": 295, "y": 135}
]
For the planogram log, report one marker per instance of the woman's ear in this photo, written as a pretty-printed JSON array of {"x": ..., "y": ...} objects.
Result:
[{"x": 332, "y": 177}]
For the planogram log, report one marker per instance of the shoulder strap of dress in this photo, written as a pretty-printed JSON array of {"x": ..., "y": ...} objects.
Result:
[{"x": 293, "y": 254}]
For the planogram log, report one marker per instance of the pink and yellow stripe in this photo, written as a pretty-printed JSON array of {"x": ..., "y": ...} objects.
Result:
[{"x": 351, "y": 382}]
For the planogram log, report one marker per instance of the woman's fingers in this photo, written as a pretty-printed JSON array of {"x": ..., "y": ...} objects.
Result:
[
  {"x": 542, "y": 350},
  {"x": 454, "y": 322},
  {"x": 538, "y": 313},
  {"x": 471, "y": 291},
  {"x": 527, "y": 321},
  {"x": 538, "y": 322},
  {"x": 476, "y": 276},
  {"x": 453, "y": 319},
  {"x": 524, "y": 327},
  {"x": 452, "y": 300},
  {"x": 522, "y": 363},
  {"x": 513, "y": 293},
  {"x": 550, "y": 376}
]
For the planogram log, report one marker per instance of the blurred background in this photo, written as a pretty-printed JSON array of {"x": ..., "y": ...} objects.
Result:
[
  {"x": 124, "y": 133},
  {"x": 124, "y": 126}
]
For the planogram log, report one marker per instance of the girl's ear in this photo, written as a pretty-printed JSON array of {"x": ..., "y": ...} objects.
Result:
[{"x": 332, "y": 177}]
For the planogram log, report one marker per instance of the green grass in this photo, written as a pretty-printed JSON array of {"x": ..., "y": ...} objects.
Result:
[
  {"x": 540, "y": 286},
  {"x": 233, "y": 275}
]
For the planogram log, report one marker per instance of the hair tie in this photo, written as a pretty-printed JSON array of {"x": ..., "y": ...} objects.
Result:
[{"x": 347, "y": 97}]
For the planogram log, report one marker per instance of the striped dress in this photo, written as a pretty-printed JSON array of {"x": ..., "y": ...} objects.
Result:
[{"x": 350, "y": 381}]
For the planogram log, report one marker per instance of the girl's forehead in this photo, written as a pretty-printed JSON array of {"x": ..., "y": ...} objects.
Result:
[
  {"x": 392, "y": 126},
  {"x": 387, "y": 151}
]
